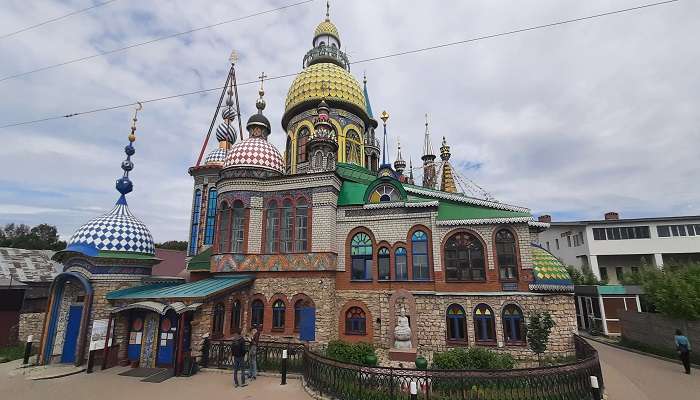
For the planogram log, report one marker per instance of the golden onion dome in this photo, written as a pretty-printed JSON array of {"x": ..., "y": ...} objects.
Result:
[
  {"x": 325, "y": 81},
  {"x": 327, "y": 28}
]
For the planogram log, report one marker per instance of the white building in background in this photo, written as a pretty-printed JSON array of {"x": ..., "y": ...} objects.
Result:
[{"x": 614, "y": 246}]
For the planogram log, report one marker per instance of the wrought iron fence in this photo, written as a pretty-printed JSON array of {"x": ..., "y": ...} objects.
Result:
[
  {"x": 348, "y": 382},
  {"x": 219, "y": 354}
]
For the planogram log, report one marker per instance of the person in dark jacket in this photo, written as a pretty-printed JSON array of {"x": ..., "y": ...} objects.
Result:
[
  {"x": 683, "y": 347},
  {"x": 238, "y": 351},
  {"x": 252, "y": 354}
]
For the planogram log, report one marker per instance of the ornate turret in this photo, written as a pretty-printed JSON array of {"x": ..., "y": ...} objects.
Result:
[
  {"x": 410, "y": 179},
  {"x": 447, "y": 183},
  {"x": 428, "y": 159},
  {"x": 323, "y": 145},
  {"x": 399, "y": 164},
  {"x": 371, "y": 142}
]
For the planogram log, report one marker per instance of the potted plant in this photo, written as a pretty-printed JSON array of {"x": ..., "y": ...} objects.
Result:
[{"x": 421, "y": 363}]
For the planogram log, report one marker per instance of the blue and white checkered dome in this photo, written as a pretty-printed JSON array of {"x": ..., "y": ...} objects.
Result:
[
  {"x": 119, "y": 230},
  {"x": 216, "y": 157}
]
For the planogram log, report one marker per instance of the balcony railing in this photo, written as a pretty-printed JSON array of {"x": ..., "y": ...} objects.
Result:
[{"x": 326, "y": 53}]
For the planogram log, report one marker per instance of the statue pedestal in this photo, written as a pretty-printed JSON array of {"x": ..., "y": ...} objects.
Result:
[{"x": 406, "y": 355}]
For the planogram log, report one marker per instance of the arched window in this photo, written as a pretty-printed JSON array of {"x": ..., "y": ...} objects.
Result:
[
  {"x": 272, "y": 227},
  {"x": 464, "y": 258},
  {"x": 302, "y": 226},
  {"x": 287, "y": 227},
  {"x": 384, "y": 194},
  {"x": 361, "y": 253},
  {"x": 278, "y": 309},
  {"x": 456, "y": 323},
  {"x": 257, "y": 313},
  {"x": 302, "y": 140},
  {"x": 238, "y": 228},
  {"x": 224, "y": 218},
  {"x": 484, "y": 324},
  {"x": 196, "y": 207},
  {"x": 218, "y": 329},
  {"x": 505, "y": 250},
  {"x": 419, "y": 253},
  {"x": 384, "y": 263},
  {"x": 288, "y": 153},
  {"x": 400, "y": 265},
  {"x": 211, "y": 218},
  {"x": 513, "y": 324},
  {"x": 236, "y": 313},
  {"x": 355, "y": 321},
  {"x": 352, "y": 147}
]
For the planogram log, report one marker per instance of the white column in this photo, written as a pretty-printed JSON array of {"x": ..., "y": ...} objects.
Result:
[
  {"x": 593, "y": 263},
  {"x": 639, "y": 305},
  {"x": 602, "y": 315},
  {"x": 658, "y": 260}
]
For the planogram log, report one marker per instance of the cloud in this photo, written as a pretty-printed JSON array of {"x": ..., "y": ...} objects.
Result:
[{"x": 573, "y": 120}]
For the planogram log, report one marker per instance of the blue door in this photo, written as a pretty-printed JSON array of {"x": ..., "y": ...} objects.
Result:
[
  {"x": 72, "y": 330},
  {"x": 166, "y": 340},
  {"x": 135, "y": 338},
  {"x": 307, "y": 326}
]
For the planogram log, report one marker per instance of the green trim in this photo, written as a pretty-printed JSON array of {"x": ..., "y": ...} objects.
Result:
[
  {"x": 449, "y": 210},
  {"x": 190, "y": 290},
  {"x": 611, "y": 289},
  {"x": 201, "y": 262},
  {"x": 355, "y": 173},
  {"x": 126, "y": 255}
]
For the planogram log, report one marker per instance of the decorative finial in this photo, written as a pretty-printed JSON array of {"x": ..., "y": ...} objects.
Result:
[
  {"x": 364, "y": 77},
  {"x": 328, "y": 10},
  {"x": 384, "y": 116},
  {"x": 260, "y": 104},
  {"x": 124, "y": 184},
  {"x": 233, "y": 57},
  {"x": 426, "y": 121},
  {"x": 444, "y": 150}
]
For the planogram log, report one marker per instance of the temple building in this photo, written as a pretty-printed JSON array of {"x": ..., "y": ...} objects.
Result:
[{"x": 325, "y": 240}]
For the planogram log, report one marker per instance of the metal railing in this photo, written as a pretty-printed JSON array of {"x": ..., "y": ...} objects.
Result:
[
  {"x": 348, "y": 382},
  {"x": 345, "y": 381}
]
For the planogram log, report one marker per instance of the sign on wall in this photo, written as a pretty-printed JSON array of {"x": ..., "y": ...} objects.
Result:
[{"x": 99, "y": 334}]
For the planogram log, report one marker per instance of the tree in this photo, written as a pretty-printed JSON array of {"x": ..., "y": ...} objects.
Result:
[
  {"x": 538, "y": 329},
  {"x": 180, "y": 245},
  {"x": 674, "y": 290},
  {"x": 584, "y": 276},
  {"x": 40, "y": 237}
]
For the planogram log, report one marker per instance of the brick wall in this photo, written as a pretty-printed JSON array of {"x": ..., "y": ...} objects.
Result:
[{"x": 657, "y": 330}]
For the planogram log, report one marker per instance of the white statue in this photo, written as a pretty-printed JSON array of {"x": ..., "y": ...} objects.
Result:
[{"x": 402, "y": 332}]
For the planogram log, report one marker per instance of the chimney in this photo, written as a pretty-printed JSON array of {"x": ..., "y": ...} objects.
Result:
[
  {"x": 612, "y": 216},
  {"x": 545, "y": 218}
]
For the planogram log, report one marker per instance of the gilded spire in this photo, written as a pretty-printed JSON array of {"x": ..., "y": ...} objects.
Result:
[
  {"x": 384, "y": 117},
  {"x": 447, "y": 183},
  {"x": 328, "y": 10}
]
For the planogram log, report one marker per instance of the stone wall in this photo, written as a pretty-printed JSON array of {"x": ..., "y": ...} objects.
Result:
[
  {"x": 31, "y": 324},
  {"x": 657, "y": 330}
]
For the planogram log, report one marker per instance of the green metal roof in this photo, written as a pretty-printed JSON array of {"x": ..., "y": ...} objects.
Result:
[
  {"x": 200, "y": 262},
  {"x": 198, "y": 289},
  {"x": 451, "y": 210},
  {"x": 355, "y": 173}
]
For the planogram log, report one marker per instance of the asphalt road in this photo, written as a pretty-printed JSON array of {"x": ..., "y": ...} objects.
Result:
[{"x": 631, "y": 376}]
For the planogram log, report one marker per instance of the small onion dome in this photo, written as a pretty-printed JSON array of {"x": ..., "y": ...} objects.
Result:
[
  {"x": 226, "y": 132},
  {"x": 260, "y": 120},
  {"x": 216, "y": 157},
  {"x": 255, "y": 152},
  {"x": 326, "y": 27},
  {"x": 118, "y": 230},
  {"x": 229, "y": 113}
]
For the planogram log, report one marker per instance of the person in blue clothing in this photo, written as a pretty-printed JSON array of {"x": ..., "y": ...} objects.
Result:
[
  {"x": 683, "y": 347},
  {"x": 238, "y": 351}
]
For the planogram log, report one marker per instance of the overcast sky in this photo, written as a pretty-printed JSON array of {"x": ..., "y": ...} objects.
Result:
[{"x": 572, "y": 120}]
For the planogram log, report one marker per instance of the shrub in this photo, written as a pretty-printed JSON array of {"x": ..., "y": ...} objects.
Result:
[
  {"x": 355, "y": 353},
  {"x": 473, "y": 358},
  {"x": 538, "y": 329},
  {"x": 675, "y": 290}
]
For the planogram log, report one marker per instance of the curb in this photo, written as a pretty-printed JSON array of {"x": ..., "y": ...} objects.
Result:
[
  {"x": 44, "y": 378},
  {"x": 643, "y": 353}
]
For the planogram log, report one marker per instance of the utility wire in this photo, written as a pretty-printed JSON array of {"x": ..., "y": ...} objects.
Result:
[
  {"x": 131, "y": 46},
  {"x": 383, "y": 57},
  {"x": 48, "y": 21}
]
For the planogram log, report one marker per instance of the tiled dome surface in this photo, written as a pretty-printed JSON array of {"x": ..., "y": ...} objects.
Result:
[
  {"x": 325, "y": 81},
  {"x": 255, "y": 152},
  {"x": 118, "y": 230},
  {"x": 216, "y": 157}
]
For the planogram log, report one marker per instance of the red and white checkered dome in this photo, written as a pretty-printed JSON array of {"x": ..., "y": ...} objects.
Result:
[{"x": 255, "y": 152}]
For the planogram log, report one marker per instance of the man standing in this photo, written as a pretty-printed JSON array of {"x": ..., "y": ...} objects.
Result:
[
  {"x": 252, "y": 354},
  {"x": 238, "y": 352},
  {"x": 683, "y": 347}
]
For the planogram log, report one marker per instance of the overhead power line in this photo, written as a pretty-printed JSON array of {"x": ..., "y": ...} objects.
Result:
[
  {"x": 48, "y": 21},
  {"x": 382, "y": 57},
  {"x": 131, "y": 46}
]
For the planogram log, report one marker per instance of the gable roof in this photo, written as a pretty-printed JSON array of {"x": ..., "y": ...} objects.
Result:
[{"x": 23, "y": 265}]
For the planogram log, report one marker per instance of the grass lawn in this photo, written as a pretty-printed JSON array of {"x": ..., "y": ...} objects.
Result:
[{"x": 11, "y": 353}]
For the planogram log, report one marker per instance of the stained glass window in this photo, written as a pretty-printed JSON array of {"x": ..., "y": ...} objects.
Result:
[
  {"x": 355, "y": 321},
  {"x": 513, "y": 328},
  {"x": 484, "y": 324},
  {"x": 456, "y": 323}
]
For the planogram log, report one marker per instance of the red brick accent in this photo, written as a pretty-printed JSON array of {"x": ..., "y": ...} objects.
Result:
[
  {"x": 369, "y": 323},
  {"x": 288, "y": 317}
]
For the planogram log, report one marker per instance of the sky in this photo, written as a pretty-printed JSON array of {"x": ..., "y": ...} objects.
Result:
[{"x": 572, "y": 121}]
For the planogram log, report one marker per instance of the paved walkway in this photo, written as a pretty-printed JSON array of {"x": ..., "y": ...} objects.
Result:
[
  {"x": 107, "y": 385},
  {"x": 631, "y": 376}
]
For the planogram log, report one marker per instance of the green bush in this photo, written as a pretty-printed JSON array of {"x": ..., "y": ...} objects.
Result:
[
  {"x": 473, "y": 358},
  {"x": 675, "y": 290},
  {"x": 355, "y": 353}
]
